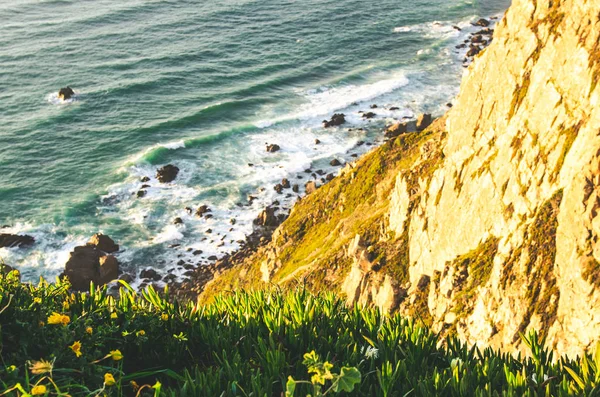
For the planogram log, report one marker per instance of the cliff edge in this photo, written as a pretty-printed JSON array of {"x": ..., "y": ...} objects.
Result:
[{"x": 486, "y": 224}]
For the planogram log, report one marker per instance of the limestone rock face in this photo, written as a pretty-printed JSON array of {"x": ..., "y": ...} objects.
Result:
[{"x": 486, "y": 224}]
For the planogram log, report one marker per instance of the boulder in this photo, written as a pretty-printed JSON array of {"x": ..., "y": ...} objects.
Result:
[
  {"x": 482, "y": 22},
  {"x": 150, "y": 274},
  {"x": 65, "y": 93},
  {"x": 267, "y": 218},
  {"x": 103, "y": 243},
  {"x": 317, "y": 141},
  {"x": 295, "y": 188},
  {"x": 310, "y": 187},
  {"x": 109, "y": 269},
  {"x": 474, "y": 50},
  {"x": 273, "y": 148},
  {"x": 88, "y": 264},
  {"x": 424, "y": 120},
  {"x": 334, "y": 163},
  {"x": 394, "y": 108},
  {"x": 373, "y": 106},
  {"x": 396, "y": 130},
  {"x": 177, "y": 221},
  {"x": 336, "y": 119},
  {"x": 203, "y": 209},
  {"x": 278, "y": 188},
  {"x": 285, "y": 183},
  {"x": 477, "y": 39},
  {"x": 144, "y": 179},
  {"x": 141, "y": 193},
  {"x": 15, "y": 240},
  {"x": 369, "y": 115},
  {"x": 167, "y": 174}
]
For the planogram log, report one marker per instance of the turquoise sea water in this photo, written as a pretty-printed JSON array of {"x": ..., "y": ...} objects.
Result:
[{"x": 202, "y": 85}]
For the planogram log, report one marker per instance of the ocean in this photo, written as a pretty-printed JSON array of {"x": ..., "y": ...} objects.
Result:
[{"x": 203, "y": 86}]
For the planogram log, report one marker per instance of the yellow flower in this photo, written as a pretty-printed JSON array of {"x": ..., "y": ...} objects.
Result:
[
  {"x": 109, "y": 380},
  {"x": 38, "y": 390},
  {"x": 56, "y": 318},
  {"x": 116, "y": 355},
  {"x": 76, "y": 347},
  {"x": 37, "y": 300},
  {"x": 164, "y": 317},
  {"x": 41, "y": 323},
  {"x": 40, "y": 367},
  {"x": 66, "y": 305},
  {"x": 113, "y": 315},
  {"x": 141, "y": 332},
  {"x": 89, "y": 330}
]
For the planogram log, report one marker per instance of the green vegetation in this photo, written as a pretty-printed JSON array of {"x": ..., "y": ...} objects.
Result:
[
  {"x": 475, "y": 269},
  {"x": 539, "y": 248},
  {"x": 311, "y": 244},
  {"x": 54, "y": 342}
]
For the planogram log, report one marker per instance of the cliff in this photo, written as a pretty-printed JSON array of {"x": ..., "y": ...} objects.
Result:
[{"x": 485, "y": 225}]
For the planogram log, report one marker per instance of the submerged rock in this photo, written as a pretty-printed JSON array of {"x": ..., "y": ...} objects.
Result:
[
  {"x": 15, "y": 240},
  {"x": 167, "y": 174}
]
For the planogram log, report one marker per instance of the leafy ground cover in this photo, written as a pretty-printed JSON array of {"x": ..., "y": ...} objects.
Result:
[{"x": 262, "y": 343}]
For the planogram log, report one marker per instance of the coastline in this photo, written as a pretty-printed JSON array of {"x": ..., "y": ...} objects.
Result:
[{"x": 189, "y": 266}]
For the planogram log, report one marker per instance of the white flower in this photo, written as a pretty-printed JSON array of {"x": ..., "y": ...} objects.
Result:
[{"x": 371, "y": 352}]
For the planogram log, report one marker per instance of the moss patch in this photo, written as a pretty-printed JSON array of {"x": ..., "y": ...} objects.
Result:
[
  {"x": 539, "y": 249},
  {"x": 474, "y": 269}
]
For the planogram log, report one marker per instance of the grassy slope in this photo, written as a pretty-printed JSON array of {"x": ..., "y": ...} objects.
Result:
[{"x": 310, "y": 245}]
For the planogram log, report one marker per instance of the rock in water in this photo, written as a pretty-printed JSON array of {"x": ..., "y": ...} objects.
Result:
[
  {"x": 167, "y": 174},
  {"x": 65, "y": 93},
  {"x": 14, "y": 240},
  {"x": 482, "y": 22},
  {"x": 369, "y": 115},
  {"x": 88, "y": 264},
  {"x": 423, "y": 121},
  {"x": 336, "y": 119},
  {"x": 203, "y": 209},
  {"x": 103, "y": 243},
  {"x": 273, "y": 148}
]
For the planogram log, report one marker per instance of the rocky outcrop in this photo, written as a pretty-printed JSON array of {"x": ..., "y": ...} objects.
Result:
[
  {"x": 92, "y": 263},
  {"x": 484, "y": 225},
  {"x": 103, "y": 243},
  {"x": 15, "y": 240},
  {"x": 167, "y": 174},
  {"x": 424, "y": 120}
]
